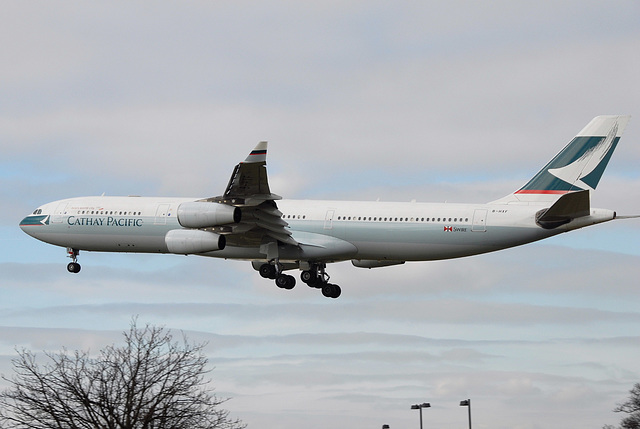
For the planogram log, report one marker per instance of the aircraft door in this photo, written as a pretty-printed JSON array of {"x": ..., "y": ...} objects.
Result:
[
  {"x": 161, "y": 214},
  {"x": 479, "y": 220},
  {"x": 328, "y": 219},
  {"x": 59, "y": 213}
]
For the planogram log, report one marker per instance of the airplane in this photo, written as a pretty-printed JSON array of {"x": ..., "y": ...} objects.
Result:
[{"x": 249, "y": 222}]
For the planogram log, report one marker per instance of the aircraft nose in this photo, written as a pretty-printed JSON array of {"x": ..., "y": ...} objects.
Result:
[{"x": 32, "y": 223}]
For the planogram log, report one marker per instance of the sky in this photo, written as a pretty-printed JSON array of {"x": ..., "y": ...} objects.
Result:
[{"x": 435, "y": 101}]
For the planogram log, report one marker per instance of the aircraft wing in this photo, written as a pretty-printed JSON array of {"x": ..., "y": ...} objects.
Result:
[{"x": 248, "y": 189}]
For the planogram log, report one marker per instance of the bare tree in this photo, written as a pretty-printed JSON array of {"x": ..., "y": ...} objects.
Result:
[
  {"x": 632, "y": 407},
  {"x": 150, "y": 382}
]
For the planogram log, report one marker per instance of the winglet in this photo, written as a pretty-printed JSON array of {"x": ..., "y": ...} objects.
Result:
[
  {"x": 258, "y": 154},
  {"x": 248, "y": 185}
]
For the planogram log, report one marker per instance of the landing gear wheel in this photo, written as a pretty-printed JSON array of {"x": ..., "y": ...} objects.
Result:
[
  {"x": 331, "y": 291},
  {"x": 73, "y": 267},
  {"x": 268, "y": 271},
  {"x": 317, "y": 283},
  {"x": 336, "y": 292},
  {"x": 311, "y": 278},
  {"x": 308, "y": 276},
  {"x": 285, "y": 281}
]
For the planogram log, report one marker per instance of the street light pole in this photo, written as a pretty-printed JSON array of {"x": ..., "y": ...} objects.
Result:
[
  {"x": 420, "y": 407},
  {"x": 467, "y": 403}
]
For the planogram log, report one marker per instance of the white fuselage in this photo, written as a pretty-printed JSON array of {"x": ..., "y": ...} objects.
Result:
[{"x": 377, "y": 231}]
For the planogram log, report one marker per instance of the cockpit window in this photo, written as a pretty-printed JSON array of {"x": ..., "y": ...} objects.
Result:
[{"x": 37, "y": 211}]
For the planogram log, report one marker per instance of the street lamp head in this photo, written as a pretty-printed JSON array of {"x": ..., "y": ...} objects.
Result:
[
  {"x": 415, "y": 407},
  {"x": 420, "y": 406},
  {"x": 465, "y": 403},
  {"x": 425, "y": 405}
]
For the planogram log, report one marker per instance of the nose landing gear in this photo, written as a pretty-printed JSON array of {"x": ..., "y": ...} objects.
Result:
[{"x": 73, "y": 267}]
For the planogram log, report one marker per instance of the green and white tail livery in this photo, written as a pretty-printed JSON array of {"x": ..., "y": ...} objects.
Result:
[{"x": 579, "y": 166}]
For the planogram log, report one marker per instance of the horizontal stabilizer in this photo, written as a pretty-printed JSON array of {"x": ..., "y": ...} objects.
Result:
[{"x": 568, "y": 207}]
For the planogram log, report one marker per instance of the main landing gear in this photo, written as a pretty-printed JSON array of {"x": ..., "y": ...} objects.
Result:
[
  {"x": 273, "y": 272},
  {"x": 317, "y": 277},
  {"x": 73, "y": 267},
  {"x": 314, "y": 277}
]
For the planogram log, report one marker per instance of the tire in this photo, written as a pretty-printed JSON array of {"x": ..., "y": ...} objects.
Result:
[
  {"x": 331, "y": 291},
  {"x": 73, "y": 267},
  {"x": 307, "y": 276},
  {"x": 285, "y": 281},
  {"x": 267, "y": 271},
  {"x": 311, "y": 278},
  {"x": 327, "y": 290},
  {"x": 316, "y": 283},
  {"x": 291, "y": 282},
  {"x": 282, "y": 281},
  {"x": 337, "y": 291}
]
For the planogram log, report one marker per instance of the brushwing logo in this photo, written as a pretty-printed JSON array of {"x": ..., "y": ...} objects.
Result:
[
  {"x": 578, "y": 167},
  {"x": 581, "y": 168}
]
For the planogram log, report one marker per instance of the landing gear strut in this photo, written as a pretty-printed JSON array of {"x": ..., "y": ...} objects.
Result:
[{"x": 73, "y": 267}]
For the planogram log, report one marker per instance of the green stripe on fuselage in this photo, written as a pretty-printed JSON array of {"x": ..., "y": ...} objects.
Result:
[{"x": 35, "y": 220}]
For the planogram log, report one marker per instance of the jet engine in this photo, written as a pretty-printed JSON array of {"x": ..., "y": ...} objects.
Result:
[
  {"x": 186, "y": 241},
  {"x": 200, "y": 214}
]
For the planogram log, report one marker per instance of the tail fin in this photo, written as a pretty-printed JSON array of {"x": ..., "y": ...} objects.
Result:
[{"x": 579, "y": 166}]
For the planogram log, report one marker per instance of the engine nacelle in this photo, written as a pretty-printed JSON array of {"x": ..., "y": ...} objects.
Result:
[
  {"x": 186, "y": 241},
  {"x": 200, "y": 214}
]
